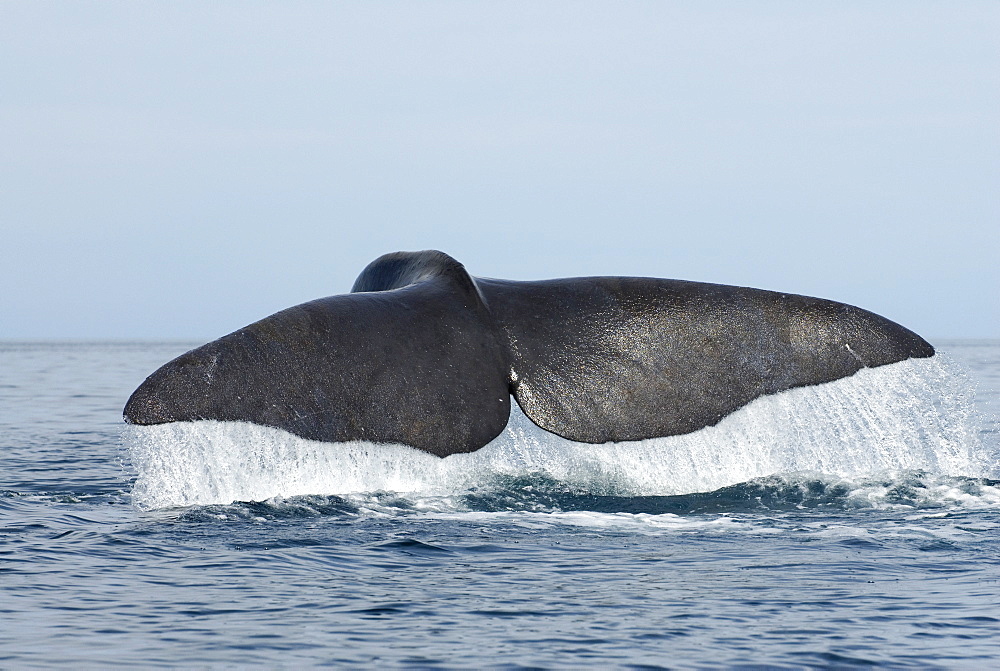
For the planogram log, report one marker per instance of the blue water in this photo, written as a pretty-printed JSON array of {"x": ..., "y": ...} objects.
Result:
[{"x": 845, "y": 525}]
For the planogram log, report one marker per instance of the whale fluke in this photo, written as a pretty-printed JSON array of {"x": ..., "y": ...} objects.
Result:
[
  {"x": 423, "y": 354},
  {"x": 416, "y": 363}
]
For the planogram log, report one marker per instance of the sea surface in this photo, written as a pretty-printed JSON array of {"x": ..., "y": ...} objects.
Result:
[{"x": 852, "y": 524}]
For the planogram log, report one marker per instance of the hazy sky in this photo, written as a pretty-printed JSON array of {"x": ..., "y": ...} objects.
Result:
[{"x": 176, "y": 169}]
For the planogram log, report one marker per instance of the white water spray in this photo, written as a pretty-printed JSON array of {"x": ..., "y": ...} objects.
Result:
[{"x": 916, "y": 414}]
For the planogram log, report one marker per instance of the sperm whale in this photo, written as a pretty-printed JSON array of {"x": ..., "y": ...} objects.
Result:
[{"x": 421, "y": 353}]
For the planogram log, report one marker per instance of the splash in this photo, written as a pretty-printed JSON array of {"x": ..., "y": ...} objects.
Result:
[{"x": 912, "y": 415}]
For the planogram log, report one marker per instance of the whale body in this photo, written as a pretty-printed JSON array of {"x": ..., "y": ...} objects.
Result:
[{"x": 421, "y": 353}]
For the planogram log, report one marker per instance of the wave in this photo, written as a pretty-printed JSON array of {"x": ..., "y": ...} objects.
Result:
[
  {"x": 535, "y": 501},
  {"x": 916, "y": 415}
]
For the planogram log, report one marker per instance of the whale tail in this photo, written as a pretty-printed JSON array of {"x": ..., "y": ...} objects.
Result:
[{"x": 423, "y": 354}]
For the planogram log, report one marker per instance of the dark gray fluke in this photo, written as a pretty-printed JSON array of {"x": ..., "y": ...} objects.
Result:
[{"x": 423, "y": 354}]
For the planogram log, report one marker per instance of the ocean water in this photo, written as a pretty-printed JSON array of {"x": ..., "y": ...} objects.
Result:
[{"x": 851, "y": 524}]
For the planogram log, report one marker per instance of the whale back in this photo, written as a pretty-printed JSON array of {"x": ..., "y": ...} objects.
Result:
[{"x": 423, "y": 354}]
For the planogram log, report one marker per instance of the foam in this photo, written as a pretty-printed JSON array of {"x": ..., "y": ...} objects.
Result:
[
  {"x": 627, "y": 522},
  {"x": 912, "y": 415}
]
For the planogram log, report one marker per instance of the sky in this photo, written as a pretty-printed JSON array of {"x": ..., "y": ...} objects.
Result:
[{"x": 179, "y": 170}]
